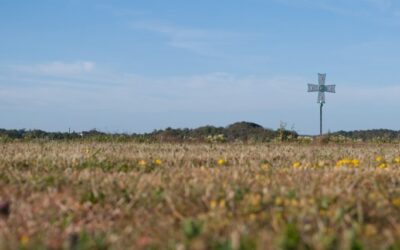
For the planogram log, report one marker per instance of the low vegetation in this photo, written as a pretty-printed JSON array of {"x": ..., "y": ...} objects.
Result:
[
  {"x": 83, "y": 195},
  {"x": 240, "y": 131},
  {"x": 246, "y": 132}
]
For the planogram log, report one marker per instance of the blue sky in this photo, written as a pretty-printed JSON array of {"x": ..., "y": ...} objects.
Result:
[{"x": 136, "y": 66}]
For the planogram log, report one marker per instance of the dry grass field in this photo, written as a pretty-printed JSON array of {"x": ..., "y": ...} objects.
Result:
[{"x": 71, "y": 195}]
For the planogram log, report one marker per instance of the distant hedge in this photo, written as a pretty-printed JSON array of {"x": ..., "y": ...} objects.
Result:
[
  {"x": 241, "y": 131},
  {"x": 237, "y": 132}
]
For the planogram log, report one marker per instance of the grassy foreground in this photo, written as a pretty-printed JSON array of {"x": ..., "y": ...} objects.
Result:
[{"x": 200, "y": 196}]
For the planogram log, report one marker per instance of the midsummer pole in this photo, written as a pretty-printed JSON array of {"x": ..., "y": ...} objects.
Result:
[{"x": 321, "y": 88}]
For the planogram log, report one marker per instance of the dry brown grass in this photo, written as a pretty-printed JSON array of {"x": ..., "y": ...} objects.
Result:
[{"x": 105, "y": 195}]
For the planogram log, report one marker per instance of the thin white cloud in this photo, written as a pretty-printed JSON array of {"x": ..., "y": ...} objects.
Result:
[
  {"x": 278, "y": 97},
  {"x": 122, "y": 12},
  {"x": 59, "y": 68},
  {"x": 355, "y": 8},
  {"x": 382, "y": 4},
  {"x": 201, "y": 41},
  {"x": 200, "y": 93}
]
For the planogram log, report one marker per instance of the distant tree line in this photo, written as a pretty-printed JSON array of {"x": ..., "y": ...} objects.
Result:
[
  {"x": 374, "y": 135},
  {"x": 237, "y": 132},
  {"x": 241, "y": 131}
]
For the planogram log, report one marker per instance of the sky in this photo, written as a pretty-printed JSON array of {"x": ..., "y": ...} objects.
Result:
[{"x": 134, "y": 66}]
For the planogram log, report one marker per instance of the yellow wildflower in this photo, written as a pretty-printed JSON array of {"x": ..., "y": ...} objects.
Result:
[
  {"x": 24, "y": 240},
  {"x": 294, "y": 203},
  {"x": 157, "y": 162},
  {"x": 255, "y": 199},
  {"x": 343, "y": 162},
  {"x": 396, "y": 202},
  {"x": 296, "y": 164},
  {"x": 278, "y": 201},
  {"x": 348, "y": 162},
  {"x": 379, "y": 158},
  {"x": 311, "y": 201},
  {"x": 397, "y": 160},
  {"x": 370, "y": 230},
  {"x": 355, "y": 162},
  {"x": 222, "y": 204},
  {"x": 374, "y": 196},
  {"x": 221, "y": 162},
  {"x": 142, "y": 163},
  {"x": 383, "y": 165},
  {"x": 323, "y": 212},
  {"x": 265, "y": 166},
  {"x": 252, "y": 217},
  {"x": 213, "y": 204}
]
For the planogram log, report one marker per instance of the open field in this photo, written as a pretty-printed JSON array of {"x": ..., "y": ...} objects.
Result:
[{"x": 199, "y": 196}]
